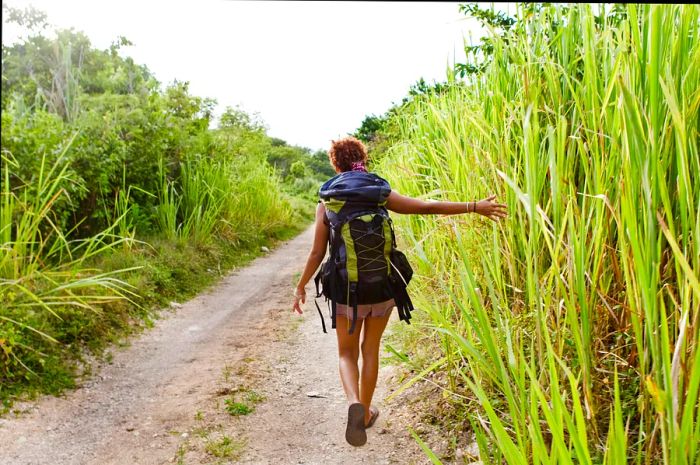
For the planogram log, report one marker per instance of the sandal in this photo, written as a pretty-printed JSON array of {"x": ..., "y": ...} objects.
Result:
[
  {"x": 355, "y": 432},
  {"x": 373, "y": 414}
]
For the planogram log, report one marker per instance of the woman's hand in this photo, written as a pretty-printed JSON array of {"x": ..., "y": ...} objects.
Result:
[
  {"x": 490, "y": 209},
  {"x": 299, "y": 296}
]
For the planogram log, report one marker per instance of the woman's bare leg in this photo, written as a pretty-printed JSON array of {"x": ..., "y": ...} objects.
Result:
[
  {"x": 374, "y": 328},
  {"x": 348, "y": 353}
]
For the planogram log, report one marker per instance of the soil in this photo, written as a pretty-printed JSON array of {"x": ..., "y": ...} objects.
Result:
[{"x": 231, "y": 376}]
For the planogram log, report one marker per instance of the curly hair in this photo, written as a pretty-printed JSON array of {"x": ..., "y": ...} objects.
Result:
[{"x": 345, "y": 152}]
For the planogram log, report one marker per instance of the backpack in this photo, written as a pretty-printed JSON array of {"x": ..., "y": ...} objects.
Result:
[{"x": 364, "y": 266}]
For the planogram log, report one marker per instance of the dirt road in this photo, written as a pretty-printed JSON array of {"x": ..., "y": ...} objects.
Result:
[{"x": 229, "y": 377}]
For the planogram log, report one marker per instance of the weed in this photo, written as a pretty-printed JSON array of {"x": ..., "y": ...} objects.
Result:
[
  {"x": 227, "y": 373},
  {"x": 181, "y": 449},
  {"x": 237, "y": 408},
  {"x": 254, "y": 397},
  {"x": 225, "y": 447},
  {"x": 201, "y": 432}
]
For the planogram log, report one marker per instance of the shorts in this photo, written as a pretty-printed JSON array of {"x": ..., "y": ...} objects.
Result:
[{"x": 365, "y": 310}]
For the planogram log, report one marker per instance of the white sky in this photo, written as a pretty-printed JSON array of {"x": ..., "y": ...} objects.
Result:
[{"x": 311, "y": 70}]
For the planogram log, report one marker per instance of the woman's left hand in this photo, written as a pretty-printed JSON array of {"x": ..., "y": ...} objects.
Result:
[
  {"x": 489, "y": 208},
  {"x": 299, "y": 296}
]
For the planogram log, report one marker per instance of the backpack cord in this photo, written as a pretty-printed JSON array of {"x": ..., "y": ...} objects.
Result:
[
  {"x": 331, "y": 241},
  {"x": 353, "y": 301},
  {"x": 391, "y": 228},
  {"x": 323, "y": 322}
]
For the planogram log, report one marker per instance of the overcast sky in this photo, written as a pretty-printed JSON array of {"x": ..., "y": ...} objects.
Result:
[{"x": 311, "y": 70}]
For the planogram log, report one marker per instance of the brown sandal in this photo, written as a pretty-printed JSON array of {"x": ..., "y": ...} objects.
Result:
[
  {"x": 373, "y": 414},
  {"x": 355, "y": 431}
]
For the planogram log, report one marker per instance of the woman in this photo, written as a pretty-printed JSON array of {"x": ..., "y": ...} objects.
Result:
[{"x": 345, "y": 155}]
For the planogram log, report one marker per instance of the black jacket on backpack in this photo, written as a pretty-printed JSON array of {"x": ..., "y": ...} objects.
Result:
[{"x": 364, "y": 266}]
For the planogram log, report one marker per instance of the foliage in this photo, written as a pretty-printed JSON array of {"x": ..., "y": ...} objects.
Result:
[
  {"x": 500, "y": 24},
  {"x": 117, "y": 197},
  {"x": 225, "y": 447},
  {"x": 235, "y": 117},
  {"x": 30, "y": 17},
  {"x": 570, "y": 331},
  {"x": 60, "y": 296},
  {"x": 301, "y": 172},
  {"x": 370, "y": 127},
  {"x": 318, "y": 163},
  {"x": 237, "y": 408},
  {"x": 373, "y": 126}
]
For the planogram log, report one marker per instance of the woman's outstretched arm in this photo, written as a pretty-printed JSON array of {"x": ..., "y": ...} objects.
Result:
[
  {"x": 487, "y": 207},
  {"x": 318, "y": 251}
]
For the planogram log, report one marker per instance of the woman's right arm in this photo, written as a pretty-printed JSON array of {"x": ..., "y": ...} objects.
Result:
[
  {"x": 408, "y": 205},
  {"x": 318, "y": 251}
]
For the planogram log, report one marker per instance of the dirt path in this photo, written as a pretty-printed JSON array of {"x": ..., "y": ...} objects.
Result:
[{"x": 168, "y": 397}]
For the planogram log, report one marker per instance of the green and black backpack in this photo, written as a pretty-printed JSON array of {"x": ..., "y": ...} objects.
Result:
[{"x": 364, "y": 266}]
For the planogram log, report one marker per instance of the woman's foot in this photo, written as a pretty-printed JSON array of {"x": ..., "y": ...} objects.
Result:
[
  {"x": 355, "y": 432},
  {"x": 373, "y": 414}
]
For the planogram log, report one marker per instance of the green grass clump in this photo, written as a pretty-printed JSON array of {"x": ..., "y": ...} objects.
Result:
[
  {"x": 570, "y": 331},
  {"x": 225, "y": 447},
  {"x": 237, "y": 408},
  {"x": 254, "y": 397}
]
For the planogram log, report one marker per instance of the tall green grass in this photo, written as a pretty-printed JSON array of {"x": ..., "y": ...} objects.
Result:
[
  {"x": 230, "y": 196},
  {"x": 43, "y": 272},
  {"x": 573, "y": 327}
]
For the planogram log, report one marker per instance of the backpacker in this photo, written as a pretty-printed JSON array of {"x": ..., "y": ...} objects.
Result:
[{"x": 363, "y": 266}]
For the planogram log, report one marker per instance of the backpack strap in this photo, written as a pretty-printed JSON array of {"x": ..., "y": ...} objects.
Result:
[
  {"x": 353, "y": 302},
  {"x": 404, "y": 305},
  {"x": 317, "y": 281},
  {"x": 332, "y": 284},
  {"x": 334, "y": 311},
  {"x": 323, "y": 322},
  {"x": 332, "y": 249},
  {"x": 351, "y": 264},
  {"x": 402, "y": 300},
  {"x": 391, "y": 228}
]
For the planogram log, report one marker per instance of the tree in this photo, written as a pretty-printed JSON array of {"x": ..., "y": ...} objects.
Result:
[
  {"x": 235, "y": 117},
  {"x": 38, "y": 72},
  {"x": 277, "y": 142},
  {"x": 319, "y": 163},
  {"x": 369, "y": 128},
  {"x": 298, "y": 169},
  {"x": 30, "y": 18},
  {"x": 482, "y": 52}
]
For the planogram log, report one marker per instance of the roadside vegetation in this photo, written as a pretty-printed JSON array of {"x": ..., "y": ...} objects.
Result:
[
  {"x": 568, "y": 333},
  {"x": 120, "y": 195}
]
